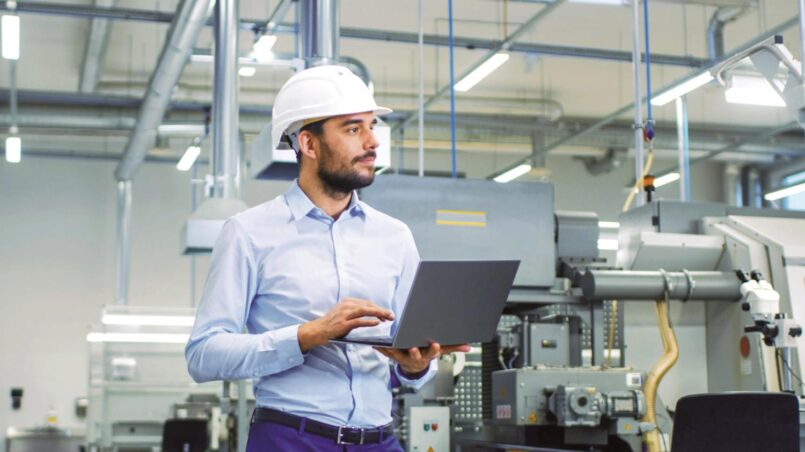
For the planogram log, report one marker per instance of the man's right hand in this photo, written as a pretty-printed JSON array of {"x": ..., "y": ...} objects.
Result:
[{"x": 347, "y": 315}]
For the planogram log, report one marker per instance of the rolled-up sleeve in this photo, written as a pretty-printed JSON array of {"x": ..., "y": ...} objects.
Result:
[
  {"x": 410, "y": 264},
  {"x": 218, "y": 348}
]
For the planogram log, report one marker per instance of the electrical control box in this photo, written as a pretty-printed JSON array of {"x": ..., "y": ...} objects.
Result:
[{"x": 428, "y": 429}]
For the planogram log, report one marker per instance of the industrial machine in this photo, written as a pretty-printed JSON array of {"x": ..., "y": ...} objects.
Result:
[{"x": 556, "y": 376}]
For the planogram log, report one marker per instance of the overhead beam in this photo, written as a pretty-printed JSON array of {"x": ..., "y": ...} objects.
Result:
[{"x": 91, "y": 12}]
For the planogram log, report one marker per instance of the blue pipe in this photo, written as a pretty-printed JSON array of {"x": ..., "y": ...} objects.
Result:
[
  {"x": 452, "y": 88},
  {"x": 650, "y": 119}
]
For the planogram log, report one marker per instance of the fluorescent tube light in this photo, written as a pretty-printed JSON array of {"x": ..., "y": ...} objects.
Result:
[
  {"x": 262, "y": 48},
  {"x": 149, "y": 338},
  {"x": 11, "y": 37},
  {"x": 608, "y": 244},
  {"x": 147, "y": 320},
  {"x": 513, "y": 173},
  {"x": 751, "y": 90},
  {"x": 13, "y": 149},
  {"x": 189, "y": 157},
  {"x": 486, "y": 68},
  {"x": 608, "y": 225},
  {"x": 785, "y": 192},
  {"x": 247, "y": 71},
  {"x": 666, "y": 179},
  {"x": 682, "y": 89},
  {"x": 601, "y": 2}
]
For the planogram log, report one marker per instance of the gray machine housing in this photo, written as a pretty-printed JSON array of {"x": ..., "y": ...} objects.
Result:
[
  {"x": 609, "y": 400},
  {"x": 472, "y": 220}
]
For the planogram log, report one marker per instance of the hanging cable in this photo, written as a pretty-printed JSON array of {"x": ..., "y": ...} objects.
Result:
[
  {"x": 649, "y": 131},
  {"x": 452, "y": 88}
]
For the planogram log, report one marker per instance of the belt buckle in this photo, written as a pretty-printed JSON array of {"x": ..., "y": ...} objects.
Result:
[{"x": 340, "y": 438}]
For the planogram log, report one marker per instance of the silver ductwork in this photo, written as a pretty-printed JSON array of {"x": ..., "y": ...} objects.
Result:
[
  {"x": 97, "y": 41},
  {"x": 319, "y": 31},
  {"x": 715, "y": 29},
  {"x": 201, "y": 230},
  {"x": 190, "y": 18}
]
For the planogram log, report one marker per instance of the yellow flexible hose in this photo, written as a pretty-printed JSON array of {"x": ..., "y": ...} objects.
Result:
[
  {"x": 657, "y": 372},
  {"x": 638, "y": 184}
]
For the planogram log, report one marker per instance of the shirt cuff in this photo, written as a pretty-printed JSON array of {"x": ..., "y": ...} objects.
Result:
[
  {"x": 284, "y": 343},
  {"x": 419, "y": 380}
]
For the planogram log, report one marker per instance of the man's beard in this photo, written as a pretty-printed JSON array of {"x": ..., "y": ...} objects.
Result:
[{"x": 341, "y": 179}]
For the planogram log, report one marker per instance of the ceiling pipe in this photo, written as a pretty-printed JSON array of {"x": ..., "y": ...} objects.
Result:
[
  {"x": 201, "y": 230},
  {"x": 97, "y": 42},
  {"x": 319, "y": 31},
  {"x": 190, "y": 18},
  {"x": 360, "y": 33},
  {"x": 225, "y": 117},
  {"x": 715, "y": 29}
]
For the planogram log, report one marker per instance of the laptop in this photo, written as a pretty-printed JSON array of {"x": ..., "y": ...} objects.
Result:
[{"x": 452, "y": 303}]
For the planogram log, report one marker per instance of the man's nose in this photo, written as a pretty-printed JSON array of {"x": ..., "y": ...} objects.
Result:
[{"x": 371, "y": 141}]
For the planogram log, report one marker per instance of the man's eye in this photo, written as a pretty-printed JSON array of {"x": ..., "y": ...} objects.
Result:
[{"x": 353, "y": 130}]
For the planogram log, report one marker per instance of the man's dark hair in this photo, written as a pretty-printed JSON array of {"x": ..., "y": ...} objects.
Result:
[{"x": 317, "y": 129}]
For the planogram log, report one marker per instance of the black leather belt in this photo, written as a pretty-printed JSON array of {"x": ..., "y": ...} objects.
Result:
[{"x": 341, "y": 435}]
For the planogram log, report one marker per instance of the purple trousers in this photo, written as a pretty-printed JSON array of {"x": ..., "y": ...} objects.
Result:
[{"x": 270, "y": 437}]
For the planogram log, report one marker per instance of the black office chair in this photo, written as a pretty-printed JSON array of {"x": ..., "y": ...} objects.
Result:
[
  {"x": 737, "y": 422},
  {"x": 185, "y": 435}
]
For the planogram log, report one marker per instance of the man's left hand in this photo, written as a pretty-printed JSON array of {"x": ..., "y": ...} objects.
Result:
[{"x": 415, "y": 360}]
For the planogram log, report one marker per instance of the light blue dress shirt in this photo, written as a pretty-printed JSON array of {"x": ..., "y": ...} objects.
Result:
[{"x": 286, "y": 262}]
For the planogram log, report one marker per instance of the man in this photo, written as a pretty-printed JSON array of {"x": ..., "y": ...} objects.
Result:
[{"x": 312, "y": 265}]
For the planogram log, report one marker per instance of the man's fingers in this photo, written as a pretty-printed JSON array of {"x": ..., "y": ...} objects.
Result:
[
  {"x": 384, "y": 351},
  {"x": 361, "y": 322},
  {"x": 455, "y": 348},
  {"x": 370, "y": 311},
  {"x": 414, "y": 353},
  {"x": 432, "y": 351}
]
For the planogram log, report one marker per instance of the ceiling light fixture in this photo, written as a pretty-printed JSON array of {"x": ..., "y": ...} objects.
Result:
[
  {"x": 602, "y": 2},
  {"x": 247, "y": 71},
  {"x": 13, "y": 149},
  {"x": 143, "y": 338},
  {"x": 682, "y": 89},
  {"x": 750, "y": 90},
  {"x": 147, "y": 320},
  {"x": 666, "y": 179},
  {"x": 608, "y": 225},
  {"x": 262, "y": 48},
  {"x": 785, "y": 192},
  {"x": 486, "y": 68},
  {"x": 11, "y": 37},
  {"x": 513, "y": 173},
  {"x": 190, "y": 156}
]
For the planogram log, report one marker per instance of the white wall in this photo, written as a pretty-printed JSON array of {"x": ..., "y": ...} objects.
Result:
[{"x": 57, "y": 258}]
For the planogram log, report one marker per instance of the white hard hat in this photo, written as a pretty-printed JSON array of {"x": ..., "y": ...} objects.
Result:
[{"x": 317, "y": 93}]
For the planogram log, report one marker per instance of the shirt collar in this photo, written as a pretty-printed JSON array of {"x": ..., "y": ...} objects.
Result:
[{"x": 301, "y": 205}]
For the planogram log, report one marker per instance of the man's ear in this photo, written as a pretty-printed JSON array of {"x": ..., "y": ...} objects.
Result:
[{"x": 308, "y": 144}]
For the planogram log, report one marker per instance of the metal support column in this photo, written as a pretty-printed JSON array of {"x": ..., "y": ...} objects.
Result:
[
  {"x": 123, "y": 240},
  {"x": 684, "y": 147},
  {"x": 225, "y": 114}
]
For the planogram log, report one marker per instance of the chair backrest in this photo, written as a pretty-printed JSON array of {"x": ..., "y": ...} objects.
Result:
[
  {"x": 737, "y": 422},
  {"x": 185, "y": 435}
]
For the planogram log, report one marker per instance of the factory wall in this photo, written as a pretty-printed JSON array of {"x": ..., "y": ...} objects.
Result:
[{"x": 57, "y": 262}]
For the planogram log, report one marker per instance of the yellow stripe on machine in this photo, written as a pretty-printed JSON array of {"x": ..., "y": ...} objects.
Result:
[{"x": 465, "y": 218}]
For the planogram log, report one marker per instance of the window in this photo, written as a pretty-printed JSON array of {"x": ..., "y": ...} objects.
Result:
[{"x": 794, "y": 202}]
